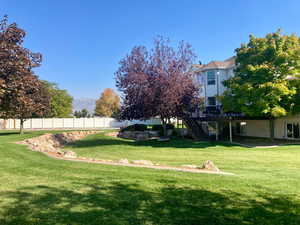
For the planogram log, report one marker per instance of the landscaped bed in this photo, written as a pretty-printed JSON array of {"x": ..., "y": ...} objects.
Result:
[
  {"x": 36, "y": 189},
  {"x": 51, "y": 144}
]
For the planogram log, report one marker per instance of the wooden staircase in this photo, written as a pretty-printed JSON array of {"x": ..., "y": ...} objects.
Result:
[{"x": 195, "y": 128}]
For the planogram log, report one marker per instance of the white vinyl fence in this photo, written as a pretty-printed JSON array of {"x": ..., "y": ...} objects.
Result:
[{"x": 72, "y": 123}]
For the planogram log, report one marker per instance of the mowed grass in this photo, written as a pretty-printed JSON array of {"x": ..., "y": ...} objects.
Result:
[{"x": 36, "y": 189}]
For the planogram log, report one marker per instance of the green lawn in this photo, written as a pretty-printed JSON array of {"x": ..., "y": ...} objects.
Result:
[{"x": 36, "y": 189}]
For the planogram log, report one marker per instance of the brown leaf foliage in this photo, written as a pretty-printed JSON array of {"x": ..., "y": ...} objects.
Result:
[
  {"x": 22, "y": 94},
  {"x": 158, "y": 82}
]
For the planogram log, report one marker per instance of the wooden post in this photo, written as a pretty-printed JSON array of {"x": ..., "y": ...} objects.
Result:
[
  {"x": 217, "y": 131},
  {"x": 230, "y": 131}
]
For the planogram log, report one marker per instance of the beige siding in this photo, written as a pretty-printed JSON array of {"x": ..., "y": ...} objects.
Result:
[
  {"x": 260, "y": 128},
  {"x": 257, "y": 128}
]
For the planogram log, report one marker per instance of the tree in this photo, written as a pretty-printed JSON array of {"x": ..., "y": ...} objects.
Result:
[
  {"x": 108, "y": 104},
  {"x": 61, "y": 103},
  {"x": 84, "y": 113},
  {"x": 23, "y": 94},
  {"x": 158, "y": 83},
  {"x": 261, "y": 85}
]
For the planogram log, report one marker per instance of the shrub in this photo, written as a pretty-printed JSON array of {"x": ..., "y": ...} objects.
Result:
[
  {"x": 159, "y": 127},
  {"x": 135, "y": 127}
]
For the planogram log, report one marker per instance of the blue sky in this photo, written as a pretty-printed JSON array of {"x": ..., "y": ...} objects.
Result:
[{"x": 83, "y": 41}]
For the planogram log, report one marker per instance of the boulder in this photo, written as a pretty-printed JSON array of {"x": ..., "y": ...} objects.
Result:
[
  {"x": 70, "y": 154},
  {"x": 209, "y": 165},
  {"x": 143, "y": 162}
]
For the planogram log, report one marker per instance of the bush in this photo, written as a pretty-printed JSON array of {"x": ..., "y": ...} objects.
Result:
[{"x": 135, "y": 127}]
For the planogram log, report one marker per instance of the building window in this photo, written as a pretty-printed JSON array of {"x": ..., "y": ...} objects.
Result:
[
  {"x": 211, "y": 78},
  {"x": 292, "y": 130},
  {"x": 240, "y": 128},
  {"x": 211, "y": 101}
]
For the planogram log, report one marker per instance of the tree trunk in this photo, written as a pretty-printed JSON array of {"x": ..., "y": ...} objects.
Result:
[
  {"x": 22, "y": 126},
  {"x": 271, "y": 122},
  {"x": 164, "y": 124}
]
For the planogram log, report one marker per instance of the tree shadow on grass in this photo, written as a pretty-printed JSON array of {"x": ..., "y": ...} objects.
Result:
[
  {"x": 173, "y": 143},
  {"x": 7, "y": 133},
  {"x": 129, "y": 204}
]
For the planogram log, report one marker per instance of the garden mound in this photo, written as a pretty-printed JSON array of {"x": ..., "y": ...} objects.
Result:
[{"x": 51, "y": 144}]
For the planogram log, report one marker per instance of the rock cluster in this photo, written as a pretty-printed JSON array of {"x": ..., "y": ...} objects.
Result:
[
  {"x": 135, "y": 135},
  {"x": 209, "y": 165},
  {"x": 51, "y": 143},
  {"x": 143, "y": 162}
]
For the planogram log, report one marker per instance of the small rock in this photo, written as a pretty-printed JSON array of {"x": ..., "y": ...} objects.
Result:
[
  {"x": 70, "y": 154},
  {"x": 209, "y": 165},
  {"x": 143, "y": 162},
  {"x": 123, "y": 161}
]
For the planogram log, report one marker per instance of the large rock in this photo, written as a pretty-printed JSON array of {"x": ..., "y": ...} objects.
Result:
[{"x": 209, "y": 165}]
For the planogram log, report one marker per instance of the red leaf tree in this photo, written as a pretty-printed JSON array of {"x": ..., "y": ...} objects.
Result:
[
  {"x": 22, "y": 94},
  {"x": 158, "y": 83}
]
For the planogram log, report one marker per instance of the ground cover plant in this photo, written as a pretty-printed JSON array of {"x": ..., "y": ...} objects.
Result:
[{"x": 36, "y": 189}]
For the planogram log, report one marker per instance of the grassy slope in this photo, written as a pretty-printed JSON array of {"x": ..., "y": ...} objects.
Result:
[{"x": 36, "y": 189}]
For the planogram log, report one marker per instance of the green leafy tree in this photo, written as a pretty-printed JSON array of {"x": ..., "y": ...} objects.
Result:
[
  {"x": 61, "y": 103},
  {"x": 84, "y": 113},
  {"x": 108, "y": 104},
  {"x": 261, "y": 86}
]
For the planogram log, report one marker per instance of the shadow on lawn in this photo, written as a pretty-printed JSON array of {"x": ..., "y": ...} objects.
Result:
[
  {"x": 128, "y": 204},
  {"x": 173, "y": 143}
]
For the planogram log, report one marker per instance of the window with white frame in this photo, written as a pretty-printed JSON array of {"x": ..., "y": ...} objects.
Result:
[
  {"x": 292, "y": 130},
  {"x": 211, "y": 77},
  {"x": 211, "y": 101}
]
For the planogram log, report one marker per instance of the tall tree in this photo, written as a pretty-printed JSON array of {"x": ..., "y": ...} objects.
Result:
[
  {"x": 158, "y": 82},
  {"x": 61, "y": 103},
  {"x": 23, "y": 94},
  {"x": 261, "y": 86},
  {"x": 84, "y": 113},
  {"x": 108, "y": 104}
]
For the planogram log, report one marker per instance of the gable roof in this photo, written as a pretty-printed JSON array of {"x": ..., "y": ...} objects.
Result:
[{"x": 226, "y": 64}]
